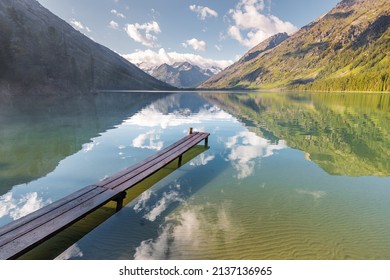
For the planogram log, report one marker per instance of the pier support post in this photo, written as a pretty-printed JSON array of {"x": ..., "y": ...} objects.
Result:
[
  {"x": 119, "y": 201},
  {"x": 206, "y": 142},
  {"x": 190, "y": 130},
  {"x": 180, "y": 160}
]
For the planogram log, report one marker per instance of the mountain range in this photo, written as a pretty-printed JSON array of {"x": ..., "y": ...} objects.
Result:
[
  {"x": 346, "y": 49},
  {"x": 41, "y": 53},
  {"x": 181, "y": 74}
]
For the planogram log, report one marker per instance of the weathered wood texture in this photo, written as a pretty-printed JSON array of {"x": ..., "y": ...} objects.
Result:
[{"x": 22, "y": 235}]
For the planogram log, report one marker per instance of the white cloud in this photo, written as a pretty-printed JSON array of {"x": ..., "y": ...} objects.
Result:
[
  {"x": 118, "y": 14},
  {"x": 203, "y": 12},
  {"x": 190, "y": 233},
  {"x": 149, "y": 140},
  {"x": 76, "y": 24},
  {"x": 17, "y": 208},
  {"x": 196, "y": 44},
  {"x": 7, "y": 203},
  {"x": 148, "y": 58},
  {"x": 142, "y": 201},
  {"x": 87, "y": 147},
  {"x": 153, "y": 249},
  {"x": 202, "y": 159},
  {"x": 79, "y": 26},
  {"x": 142, "y": 33},
  {"x": 114, "y": 25},
  {"x": 246, "y": 147},
  {"x": 251, "y": 26},
  {"x": 152, "y": 117},
  {"x": 72, "y": 252},
  {"x": 167, "y": 199},
  {"x": 29, "y": 203},
  {"x": 183, "y": 230}
]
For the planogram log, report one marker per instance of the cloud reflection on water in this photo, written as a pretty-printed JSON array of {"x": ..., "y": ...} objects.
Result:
[
  {"x": 17, "y": 208},
  {"x": 245, "y": 148},
  {"x": 202, "y": 159},
  {"x": 161, "y": 205},
  {"x": 154, "y": 117},
  {"x": 142, "y": 201},
  {"x": 150, "y": 140},
  {"x": 193, "y": 229},
  {"x": 72, "y": 252}
]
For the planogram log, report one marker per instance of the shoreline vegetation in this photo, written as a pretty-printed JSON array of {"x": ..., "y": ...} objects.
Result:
[{"x": 298, "y": 90}]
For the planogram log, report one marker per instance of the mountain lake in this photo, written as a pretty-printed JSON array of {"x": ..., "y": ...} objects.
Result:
[{"x": 285, "y": 176}]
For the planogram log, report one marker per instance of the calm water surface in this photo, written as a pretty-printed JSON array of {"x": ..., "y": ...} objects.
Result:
[{"x": 287, "y": 176}]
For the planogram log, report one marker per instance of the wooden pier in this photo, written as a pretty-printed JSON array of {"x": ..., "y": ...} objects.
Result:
[{"x": 22, "y": 235}]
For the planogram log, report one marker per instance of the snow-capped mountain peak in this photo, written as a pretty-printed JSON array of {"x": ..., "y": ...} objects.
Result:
[{"x": 180, "y": 74}]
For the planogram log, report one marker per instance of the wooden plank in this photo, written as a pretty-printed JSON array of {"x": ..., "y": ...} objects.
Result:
[
  {"x": 50, "y": 214},
  {"x": 132, "y": 179},
  {"x": 174, "y": 153},
  {"x": 28, "y": 218},
  {"x": 145, "y": 161},
  {"x": 35, "y": 236},
  {"x": 27, "y": 232}
]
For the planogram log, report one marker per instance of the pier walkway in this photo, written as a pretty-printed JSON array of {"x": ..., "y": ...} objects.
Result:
[{"x": 22, "y": 235}]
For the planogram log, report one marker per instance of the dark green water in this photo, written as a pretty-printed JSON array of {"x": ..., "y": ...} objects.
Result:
[{"x": 287, "y": 176}]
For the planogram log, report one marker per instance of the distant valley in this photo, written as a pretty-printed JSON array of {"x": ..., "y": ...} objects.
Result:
[{"x": 181, "y": 74}]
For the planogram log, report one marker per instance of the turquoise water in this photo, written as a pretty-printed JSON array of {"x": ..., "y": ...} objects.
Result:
[{"x": 287, "y": 176}]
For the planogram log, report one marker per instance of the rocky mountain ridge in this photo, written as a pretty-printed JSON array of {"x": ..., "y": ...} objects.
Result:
[
  {"x": 41, "y": 53},
  {"x": 346, "y": 49}
]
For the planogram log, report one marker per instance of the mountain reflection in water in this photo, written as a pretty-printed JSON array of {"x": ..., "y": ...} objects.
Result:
[
  {"x": 344, "y": 133},
  {"x": 287, "y": 176},
  {"x": 38, "y": 132}
]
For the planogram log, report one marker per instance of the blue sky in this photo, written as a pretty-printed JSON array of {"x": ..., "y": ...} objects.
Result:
[{"x": 213, "y": 32}]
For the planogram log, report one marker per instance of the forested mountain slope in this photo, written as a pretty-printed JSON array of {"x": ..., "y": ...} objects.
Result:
[{"x": 346, "y": 49}]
